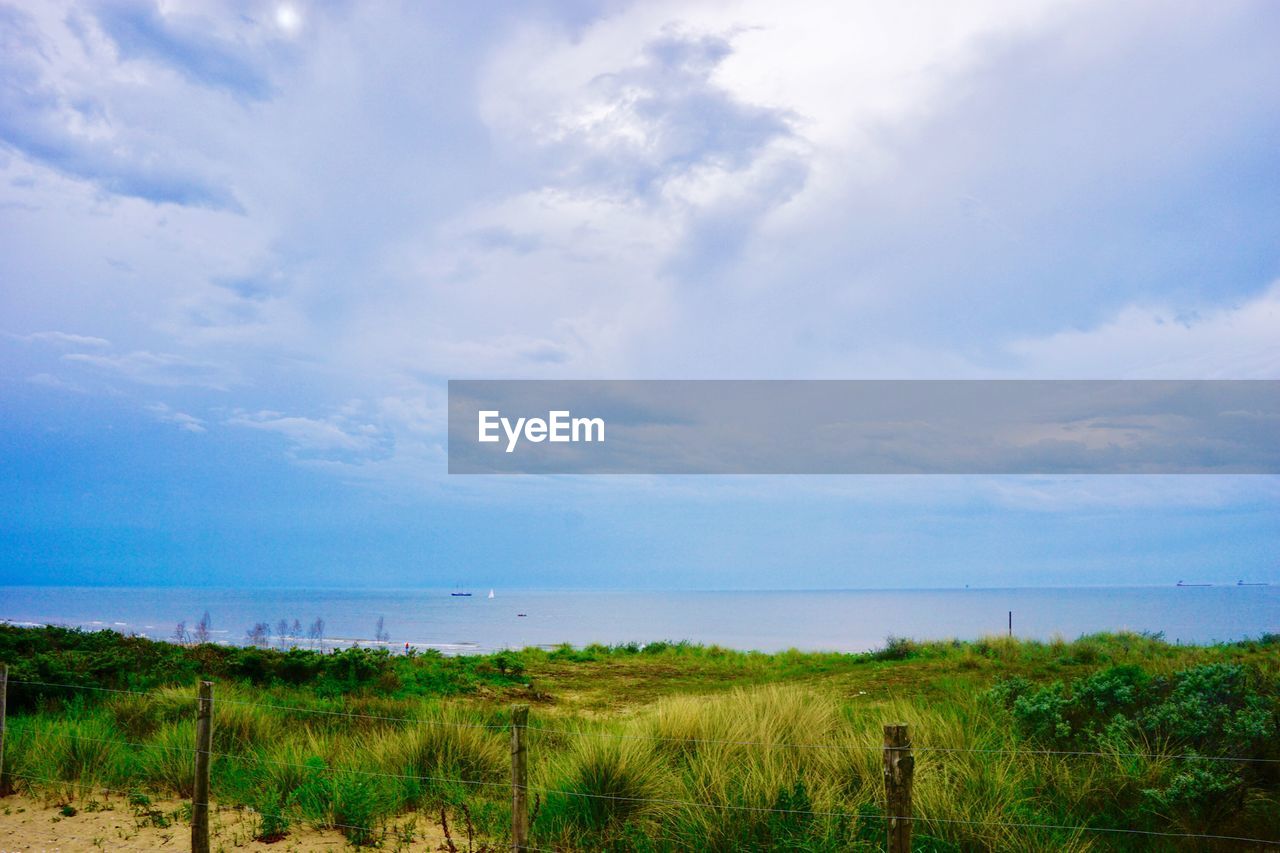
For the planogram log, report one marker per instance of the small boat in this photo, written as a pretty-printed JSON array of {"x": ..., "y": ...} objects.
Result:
[
  {"x": 1254, "y": 583},
  {"x": 522, "y": 614},
  {"x": 491, "y": 593},
  {"x": 1184, "y": 583},
  {"x": 460, "y": 594}
]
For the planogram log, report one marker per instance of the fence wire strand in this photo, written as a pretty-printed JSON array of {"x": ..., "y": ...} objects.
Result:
[
  {"x": 913, "y": 818},
  {"x": 285, "y": 708},
  {"x": 251, "y": 811},
  {"x": 721, "y": 806},
  {"x": 659, "y": 738}
]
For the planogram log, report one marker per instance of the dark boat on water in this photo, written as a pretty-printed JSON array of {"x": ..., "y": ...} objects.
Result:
[
  {"x": 1254, "y": 583},
  {"x": 1184, "y": 583}
]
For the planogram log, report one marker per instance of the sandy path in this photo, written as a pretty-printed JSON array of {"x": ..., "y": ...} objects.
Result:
[{"x": 33, "y": 825}]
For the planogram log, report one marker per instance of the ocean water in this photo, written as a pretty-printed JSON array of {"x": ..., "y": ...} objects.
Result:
[{"x": 837, "y": 620}]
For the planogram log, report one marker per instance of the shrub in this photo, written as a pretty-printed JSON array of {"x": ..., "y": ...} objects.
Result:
[
  {"x": 273, "y": 824},
  {"x": 1212, "y": 709},
  {"x": 895, "y": 648},
  {"x": 1198, "y": 795},
  {"x": 1212, "y": 706},
  {"x": 358, "y": 806},
  {"x": 1041, "y": 714},
  {"x": 1006, "y": 690},
  {"x": 508, "y": 664},
  {"x": 1110, "y": 691}
]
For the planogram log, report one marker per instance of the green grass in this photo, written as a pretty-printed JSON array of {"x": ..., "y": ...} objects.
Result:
[{"x": 674, "y": 746}]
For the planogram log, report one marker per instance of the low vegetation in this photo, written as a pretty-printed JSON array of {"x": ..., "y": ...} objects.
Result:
[{"x": 674, "y": 746}]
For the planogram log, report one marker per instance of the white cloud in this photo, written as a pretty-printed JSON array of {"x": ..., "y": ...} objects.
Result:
[
  {"x": 1239, "y": 341},
  {"x": 63, "y": 339},
  {"x": 670, "y": 189},
  {"x": 182, "y": 420},
  {"x": 151, "y": 368},
  {"x": 48, "y": 380},
  {"x": 338, "y": 433}
]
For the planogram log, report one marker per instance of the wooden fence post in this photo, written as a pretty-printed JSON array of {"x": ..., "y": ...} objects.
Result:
[
  {"x": 4, "y": 720},
  {"x": 519, "y": 779},
  {"x": 898, "y": 767},
  {"x": 200, "y": 793}
]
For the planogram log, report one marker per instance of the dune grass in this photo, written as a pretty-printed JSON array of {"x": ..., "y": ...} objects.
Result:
[{"x": 672, "y": 746}]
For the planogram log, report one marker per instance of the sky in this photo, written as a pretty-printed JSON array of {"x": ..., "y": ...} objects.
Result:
[{"x": 244, "y": 245}]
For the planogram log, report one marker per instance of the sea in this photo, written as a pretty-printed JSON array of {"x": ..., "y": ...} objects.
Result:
[{"x": 812, "y": 620}]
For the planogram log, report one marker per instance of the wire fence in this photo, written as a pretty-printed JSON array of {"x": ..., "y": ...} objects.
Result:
[
  {"x": 878, "y": 747},
  {"x": 590, "y": 732},
  {"x": 578, "y": 732},
  {"x": 372, "y": 831}
]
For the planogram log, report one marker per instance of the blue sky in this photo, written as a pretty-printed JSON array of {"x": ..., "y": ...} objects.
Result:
[{"x": 244, "y": 245}]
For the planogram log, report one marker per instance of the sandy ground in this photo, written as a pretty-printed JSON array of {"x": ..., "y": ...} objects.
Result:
[{"x": 33, "y": 825}]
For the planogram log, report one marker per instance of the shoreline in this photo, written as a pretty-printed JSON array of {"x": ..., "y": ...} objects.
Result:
[
  {"x": 398, "y": 648},
  {"x": 848, "y": 623}
]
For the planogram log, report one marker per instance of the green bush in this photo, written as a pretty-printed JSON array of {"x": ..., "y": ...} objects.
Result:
[
  {"x": 895, "y": 648},
  {"x": 508, "y": 664},
  {"x": 1212, "y": 708},
  {"x": 1209, "y": 710},
  {"x": 1199, "y": 794}
]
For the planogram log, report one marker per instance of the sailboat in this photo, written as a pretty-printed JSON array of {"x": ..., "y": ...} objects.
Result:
[{"x": 491, "y": 593}]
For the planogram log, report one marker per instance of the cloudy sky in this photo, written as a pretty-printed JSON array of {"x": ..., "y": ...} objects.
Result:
[{"x": 244, "y": 245}]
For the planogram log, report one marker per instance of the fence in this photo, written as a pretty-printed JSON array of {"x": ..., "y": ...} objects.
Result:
[{"x": 898, "y": 757}]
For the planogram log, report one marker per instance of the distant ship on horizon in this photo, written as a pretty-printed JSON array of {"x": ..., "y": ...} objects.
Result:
[
  {"x": 1252, "y": 583},
  {"x": 1184, "y": 583}
]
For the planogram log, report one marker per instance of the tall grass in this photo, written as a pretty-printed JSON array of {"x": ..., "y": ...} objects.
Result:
[
  {"x": 786, "y": 768},
  {"x": 794, "y": 766},
  {"x": 599, "y": 787},
  {"x": 447, "y": 749}
]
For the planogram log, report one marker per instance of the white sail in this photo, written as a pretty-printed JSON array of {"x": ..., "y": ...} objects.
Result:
[{"x": 491, "y": 593}]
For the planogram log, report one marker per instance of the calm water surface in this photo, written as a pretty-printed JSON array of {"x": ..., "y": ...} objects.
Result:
[{"x": 845, "y": 620}]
